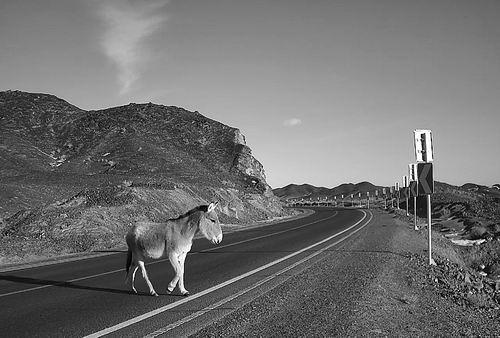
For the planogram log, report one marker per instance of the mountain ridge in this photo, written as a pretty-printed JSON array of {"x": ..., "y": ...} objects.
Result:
[
  {"x": 73, "y": 139},
  {"x": 309, "y": 191}
]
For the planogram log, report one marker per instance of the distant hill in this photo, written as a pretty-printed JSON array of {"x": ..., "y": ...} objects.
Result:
[
  {"x": 293, "y": 191},
  {"x": 92, "y": 173}
]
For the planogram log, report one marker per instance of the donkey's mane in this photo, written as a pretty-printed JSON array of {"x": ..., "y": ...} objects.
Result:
[{"x": 203, "y": 208}]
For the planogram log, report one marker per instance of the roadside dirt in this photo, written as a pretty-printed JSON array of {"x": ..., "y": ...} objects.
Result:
[{"x": 376, "y": 283}]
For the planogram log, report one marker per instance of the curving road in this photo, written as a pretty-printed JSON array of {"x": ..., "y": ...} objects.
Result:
[{"x": 88, "y": 297}]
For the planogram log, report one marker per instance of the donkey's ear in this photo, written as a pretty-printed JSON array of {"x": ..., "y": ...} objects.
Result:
[{"x": 212, "y": 206}]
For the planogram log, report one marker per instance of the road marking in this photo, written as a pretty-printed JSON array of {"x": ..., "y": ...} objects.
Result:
[
  {"x": 163, "y": 260},
  {"x": 268, "y": 235},
  {"x": 218, "y": 304},
  {"x": 170, "y": 306}
]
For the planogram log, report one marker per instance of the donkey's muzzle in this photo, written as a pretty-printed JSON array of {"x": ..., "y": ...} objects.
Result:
[{"x": 217, "y": 239}]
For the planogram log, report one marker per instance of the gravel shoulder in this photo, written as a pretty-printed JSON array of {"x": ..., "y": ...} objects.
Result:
[{"x": 376, "y": 283}]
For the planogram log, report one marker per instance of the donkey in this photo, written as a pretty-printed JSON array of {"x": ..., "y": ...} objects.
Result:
[{"x": 174, "y": 239}]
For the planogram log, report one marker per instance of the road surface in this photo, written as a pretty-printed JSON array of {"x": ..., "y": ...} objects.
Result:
[{"x": 89, "y": 297}]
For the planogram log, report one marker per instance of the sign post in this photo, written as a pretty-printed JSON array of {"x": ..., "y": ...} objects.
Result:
[
  {"x": 385, "y": 198},
  {"x": 368, "y": 199},
  {"x": 405, "y": 193},
  {"x": 397, "y": 195},
  {"x": 424, "y": 156},
  {"x": 412, "y": 171}
]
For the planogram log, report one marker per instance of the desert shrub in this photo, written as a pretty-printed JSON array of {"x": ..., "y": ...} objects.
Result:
[
  {"x": 494, "y": 229},
  {"x": 478, "y": 232},
  {"x": 487, "y": 254}
]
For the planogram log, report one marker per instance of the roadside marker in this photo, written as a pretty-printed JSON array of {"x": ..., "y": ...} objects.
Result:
[
  {"x": 424, "y": 157},
  {"x": 425, "y": 179}
]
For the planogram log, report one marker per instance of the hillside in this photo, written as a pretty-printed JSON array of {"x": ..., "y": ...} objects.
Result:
[
  {"x": 67, "y": 174},
  {"x": 293, "y": 191}
]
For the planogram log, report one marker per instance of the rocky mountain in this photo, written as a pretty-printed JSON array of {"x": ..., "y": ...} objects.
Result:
[
  {"x": 92, "y": 173},
  {"x": 293, "y": 191},
  {"x": 46, "y": 134}
]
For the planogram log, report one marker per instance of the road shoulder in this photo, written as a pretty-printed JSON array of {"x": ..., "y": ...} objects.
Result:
[{"x": 375, "y": 283}]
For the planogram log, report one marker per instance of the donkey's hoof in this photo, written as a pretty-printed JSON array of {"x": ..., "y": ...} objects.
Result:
[
  {"x": 185, "y": 293},
  {"x": 169, "y": 292},
  {"x": 153, "y": 293}
]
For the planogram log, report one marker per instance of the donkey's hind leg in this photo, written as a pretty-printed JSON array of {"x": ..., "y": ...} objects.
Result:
[
  {"x": 130, "y": 279},
  {"x": 145, "y": 276}
]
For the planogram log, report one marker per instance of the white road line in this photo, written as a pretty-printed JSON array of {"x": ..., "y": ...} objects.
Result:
[
  {"x": 163, "y": 260},
  {"x": 268, "y": 235},
  {"x": 220, "y": 303},
  {"x": 170, "y": 306}
]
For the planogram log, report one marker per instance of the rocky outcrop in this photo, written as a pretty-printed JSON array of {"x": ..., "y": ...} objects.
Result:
[{"x": 247, "y": 165}]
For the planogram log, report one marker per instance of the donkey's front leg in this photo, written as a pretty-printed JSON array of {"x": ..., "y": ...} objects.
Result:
[
  {"x": 173, "y": 258},
  {"x": 182, "y": 258}
]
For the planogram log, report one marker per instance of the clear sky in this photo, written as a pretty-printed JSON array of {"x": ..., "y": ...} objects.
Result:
[{"x": 326, "y": 92}]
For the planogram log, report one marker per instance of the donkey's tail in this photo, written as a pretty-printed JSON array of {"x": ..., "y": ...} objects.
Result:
[{"x": 129, "y": 260}]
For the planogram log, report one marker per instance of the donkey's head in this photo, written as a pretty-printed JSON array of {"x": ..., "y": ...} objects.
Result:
[{"x": 209, "y": 224}]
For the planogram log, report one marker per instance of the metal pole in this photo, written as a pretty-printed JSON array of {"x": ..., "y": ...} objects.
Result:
[
  {"x": 407, "y": 208},
  {"x": 429, "y": 225},
  {"x": 415, "y": 212}
]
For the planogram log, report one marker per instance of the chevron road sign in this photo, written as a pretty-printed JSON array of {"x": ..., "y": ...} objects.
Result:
[
  {"x": 413, "y": 189},
  {"x": 425, "y": 179},
  {"x": 404, "y": 192}
]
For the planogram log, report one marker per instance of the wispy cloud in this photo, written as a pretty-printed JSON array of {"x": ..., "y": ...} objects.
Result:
[
  {"x": 292, "y": 122},
  {"x": 128, "y": 24}
]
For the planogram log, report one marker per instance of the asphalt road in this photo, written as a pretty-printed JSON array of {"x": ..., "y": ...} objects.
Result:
[{"x": 89, "y": 297}]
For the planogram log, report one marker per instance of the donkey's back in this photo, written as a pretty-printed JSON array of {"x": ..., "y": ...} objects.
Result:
[{"x": 147, "y": 239}]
